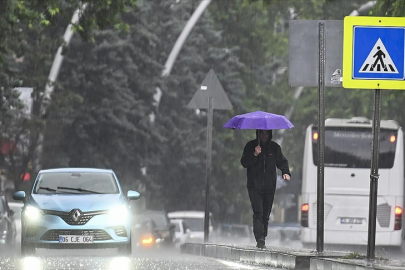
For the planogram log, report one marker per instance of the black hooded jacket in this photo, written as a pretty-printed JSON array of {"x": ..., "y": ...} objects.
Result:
[{"x": 261, "y": 170}]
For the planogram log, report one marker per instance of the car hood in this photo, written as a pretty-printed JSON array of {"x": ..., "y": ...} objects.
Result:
[{"x": 86, "y": 203}]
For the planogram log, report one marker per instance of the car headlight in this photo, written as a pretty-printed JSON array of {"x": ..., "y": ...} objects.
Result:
[
  {"x": 119, "y": 213},
  {"x": 32, "y": 213}
]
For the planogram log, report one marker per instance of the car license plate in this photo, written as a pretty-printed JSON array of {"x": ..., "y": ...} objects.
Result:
[
  {"x": 75, "y": 239},
  {"x": 351, "y": 221}
]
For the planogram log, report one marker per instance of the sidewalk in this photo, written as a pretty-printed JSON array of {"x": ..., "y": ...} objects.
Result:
[{"x": 290, "y": 258}]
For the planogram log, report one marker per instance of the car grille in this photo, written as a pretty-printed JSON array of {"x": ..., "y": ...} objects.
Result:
[
  {"x": 67, "y": 217},
  {"x": 98, "y": 235}
]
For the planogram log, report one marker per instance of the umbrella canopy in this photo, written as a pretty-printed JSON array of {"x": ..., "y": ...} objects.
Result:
[{"x": 259, "y": 120}]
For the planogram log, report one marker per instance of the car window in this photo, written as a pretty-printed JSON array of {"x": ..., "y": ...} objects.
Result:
[{"x": 76, "y": 183}]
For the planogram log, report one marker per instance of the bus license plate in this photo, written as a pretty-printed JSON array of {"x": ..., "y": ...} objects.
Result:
[
  {"x": 351, "y": 221},
  {"x": 75, "y": 239}
]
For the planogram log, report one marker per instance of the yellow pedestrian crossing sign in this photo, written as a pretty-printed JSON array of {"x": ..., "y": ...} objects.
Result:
[{"x": 374, "y": 53}]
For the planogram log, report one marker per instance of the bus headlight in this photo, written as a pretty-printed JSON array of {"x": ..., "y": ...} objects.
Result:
[
  {"x": 32, "y": 213},
  {"x": 119, "y": 213}
]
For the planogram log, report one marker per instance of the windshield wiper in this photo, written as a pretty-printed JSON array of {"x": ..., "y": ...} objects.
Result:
[
  {"x": 80, "y": 189},
  {"x": 48, "y": 189}
]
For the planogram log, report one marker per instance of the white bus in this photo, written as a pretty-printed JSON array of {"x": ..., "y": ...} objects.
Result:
[{"x": 347, "y": 160}]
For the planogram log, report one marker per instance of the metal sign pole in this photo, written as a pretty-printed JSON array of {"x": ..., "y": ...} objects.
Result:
[
  {"x": 208, "y": 169},
  {"x": 321, "y": 141},
  {"x": 210, "y": 89},
  {"x": 372, "y": 214}
]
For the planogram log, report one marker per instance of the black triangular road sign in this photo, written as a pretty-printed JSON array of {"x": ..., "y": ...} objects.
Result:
[{"x": 210, "y": 87}]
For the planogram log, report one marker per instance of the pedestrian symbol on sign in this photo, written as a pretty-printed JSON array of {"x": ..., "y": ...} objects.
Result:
[{"x": 378, "y": 60}]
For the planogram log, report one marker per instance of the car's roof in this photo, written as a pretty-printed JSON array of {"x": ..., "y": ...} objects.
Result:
[
  {"x": 176, "y": 220},
  {"x": 75, "y": 170}
]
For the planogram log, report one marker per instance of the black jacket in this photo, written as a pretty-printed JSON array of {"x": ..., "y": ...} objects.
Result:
[{"x": 261, "y": 170}]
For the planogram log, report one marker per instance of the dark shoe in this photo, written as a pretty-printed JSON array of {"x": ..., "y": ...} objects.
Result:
[{"x": 260, "y": 244}]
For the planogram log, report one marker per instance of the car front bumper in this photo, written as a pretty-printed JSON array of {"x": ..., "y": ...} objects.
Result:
[{"x": 48, "y": 228}]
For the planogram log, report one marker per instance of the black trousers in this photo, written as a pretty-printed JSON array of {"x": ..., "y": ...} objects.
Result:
[{"x": 261, "y": 202}]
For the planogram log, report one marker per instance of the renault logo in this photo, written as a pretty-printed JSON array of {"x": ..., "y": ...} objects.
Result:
[{"x": 76, "y": 214}]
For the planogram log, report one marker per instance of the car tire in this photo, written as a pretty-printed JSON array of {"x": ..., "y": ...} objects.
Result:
[{"x": 125, "y": 249}]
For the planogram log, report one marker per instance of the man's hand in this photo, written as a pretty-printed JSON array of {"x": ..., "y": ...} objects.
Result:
[
  {"x": 286, "y": 177},
  {"x": 258, "y": 150}
]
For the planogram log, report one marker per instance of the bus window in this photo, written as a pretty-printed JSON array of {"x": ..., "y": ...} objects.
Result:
[{"x": 351, "y": 147}]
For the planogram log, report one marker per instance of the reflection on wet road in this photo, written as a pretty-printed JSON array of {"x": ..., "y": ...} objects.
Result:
[
  {"x": 158, "y": 259},
  {"x": 109, "y": 259}
]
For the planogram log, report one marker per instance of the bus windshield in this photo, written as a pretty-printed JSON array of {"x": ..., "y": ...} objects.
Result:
[{"x": 350, "y": 147}]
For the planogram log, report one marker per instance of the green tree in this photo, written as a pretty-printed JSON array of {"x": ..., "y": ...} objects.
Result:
[
  {"x": 30, "y": 33},
  {"x": 389, "y": 8},
  {"x": 106, "y": 95},
  {"x": 182, "y": 171}
]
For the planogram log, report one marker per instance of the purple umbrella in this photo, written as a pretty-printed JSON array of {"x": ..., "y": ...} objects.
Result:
[{"x": 259, "y": 120}]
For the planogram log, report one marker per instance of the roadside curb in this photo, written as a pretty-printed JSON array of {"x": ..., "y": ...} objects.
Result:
[
  {"x": 288, "y": 258},
  {"x": 359, "y": 264}
]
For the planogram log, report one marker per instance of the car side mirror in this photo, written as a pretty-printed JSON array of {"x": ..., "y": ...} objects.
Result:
[
  {"x": 11, "y": 213},
  {"x": 172, "y": 226},
  {"x": 133, "y": 195},
  {"x": 188, "y": 230},
  {"x": 19, "y": 196}
]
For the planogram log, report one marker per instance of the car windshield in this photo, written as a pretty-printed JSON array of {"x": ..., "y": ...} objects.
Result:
[
  {"x": 195, "y": 224},
  {"x": 76, "y": 183}
]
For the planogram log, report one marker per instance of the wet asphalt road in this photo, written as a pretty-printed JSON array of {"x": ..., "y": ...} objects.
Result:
[
  {"x": 109, "y": 259},
  {"x": 159, "y": 259}
]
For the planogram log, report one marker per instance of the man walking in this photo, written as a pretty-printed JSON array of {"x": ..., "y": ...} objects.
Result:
[{"x": 261, "y": 157}]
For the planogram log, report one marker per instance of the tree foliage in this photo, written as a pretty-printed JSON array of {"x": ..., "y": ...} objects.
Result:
[
  {"x": 389, "y": 8},
  {"x": 30, "y": 33}
]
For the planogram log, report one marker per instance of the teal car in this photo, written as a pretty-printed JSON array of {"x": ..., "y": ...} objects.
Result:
[{"x": 76, "y": 208}]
